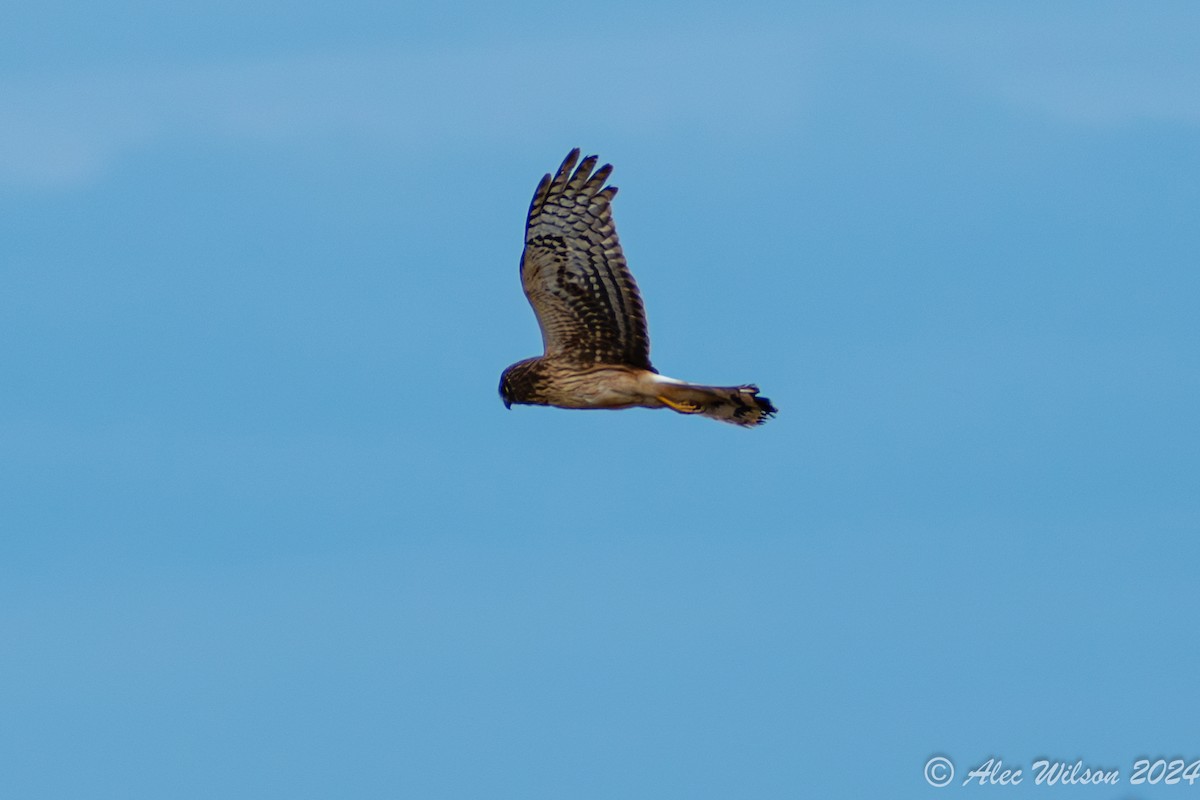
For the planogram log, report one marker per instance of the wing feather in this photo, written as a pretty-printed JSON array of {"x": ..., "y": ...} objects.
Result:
[{"x": 574, "y": 273}]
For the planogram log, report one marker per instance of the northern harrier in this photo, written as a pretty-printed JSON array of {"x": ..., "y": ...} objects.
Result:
[{"x": 597, "y": 351}]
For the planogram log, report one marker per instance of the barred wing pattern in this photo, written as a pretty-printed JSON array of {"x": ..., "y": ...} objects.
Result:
[{"x": 574, "y": 273}]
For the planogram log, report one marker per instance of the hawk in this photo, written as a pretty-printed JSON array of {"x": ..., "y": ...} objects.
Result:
[{"x": 597, "y": 350}]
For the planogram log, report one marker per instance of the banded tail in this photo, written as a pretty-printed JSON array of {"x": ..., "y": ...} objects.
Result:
[{"x": 739, "y": 405}]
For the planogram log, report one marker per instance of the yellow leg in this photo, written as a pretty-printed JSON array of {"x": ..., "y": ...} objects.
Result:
[{"x": 682, "y": 406}]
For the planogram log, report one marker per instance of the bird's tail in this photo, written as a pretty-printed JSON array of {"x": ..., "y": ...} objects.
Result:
[{"x": 739, "y": 405}]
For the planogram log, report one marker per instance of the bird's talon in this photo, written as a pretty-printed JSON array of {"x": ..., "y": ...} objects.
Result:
[{"x": 682, "y": 407}]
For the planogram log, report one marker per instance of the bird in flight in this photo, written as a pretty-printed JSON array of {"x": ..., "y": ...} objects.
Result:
[{"x": 597, "y": 350}]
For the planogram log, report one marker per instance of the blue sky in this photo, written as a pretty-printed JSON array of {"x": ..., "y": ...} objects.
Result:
[{"x": 270, "y": 532}]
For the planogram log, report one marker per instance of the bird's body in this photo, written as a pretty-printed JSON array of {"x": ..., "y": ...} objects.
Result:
[
  {"x": 597, "y": 350},
  {"x": 537, "y": 382}
]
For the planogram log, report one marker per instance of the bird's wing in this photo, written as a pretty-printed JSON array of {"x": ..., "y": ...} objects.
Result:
[{"x": 574, "y": 273}]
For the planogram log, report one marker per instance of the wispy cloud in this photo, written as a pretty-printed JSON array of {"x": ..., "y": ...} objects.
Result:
[
  {"x": 1075, "y": 66},
  {"x": 66, "y": 130}
]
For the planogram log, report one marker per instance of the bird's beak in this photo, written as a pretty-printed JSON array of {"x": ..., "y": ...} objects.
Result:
[{"x": 508, "y": 404}]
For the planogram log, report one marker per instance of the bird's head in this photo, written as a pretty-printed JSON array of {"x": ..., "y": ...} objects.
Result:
[
  {"x": 518, "y": 383},
  {"x": 506, "y": 390}
]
